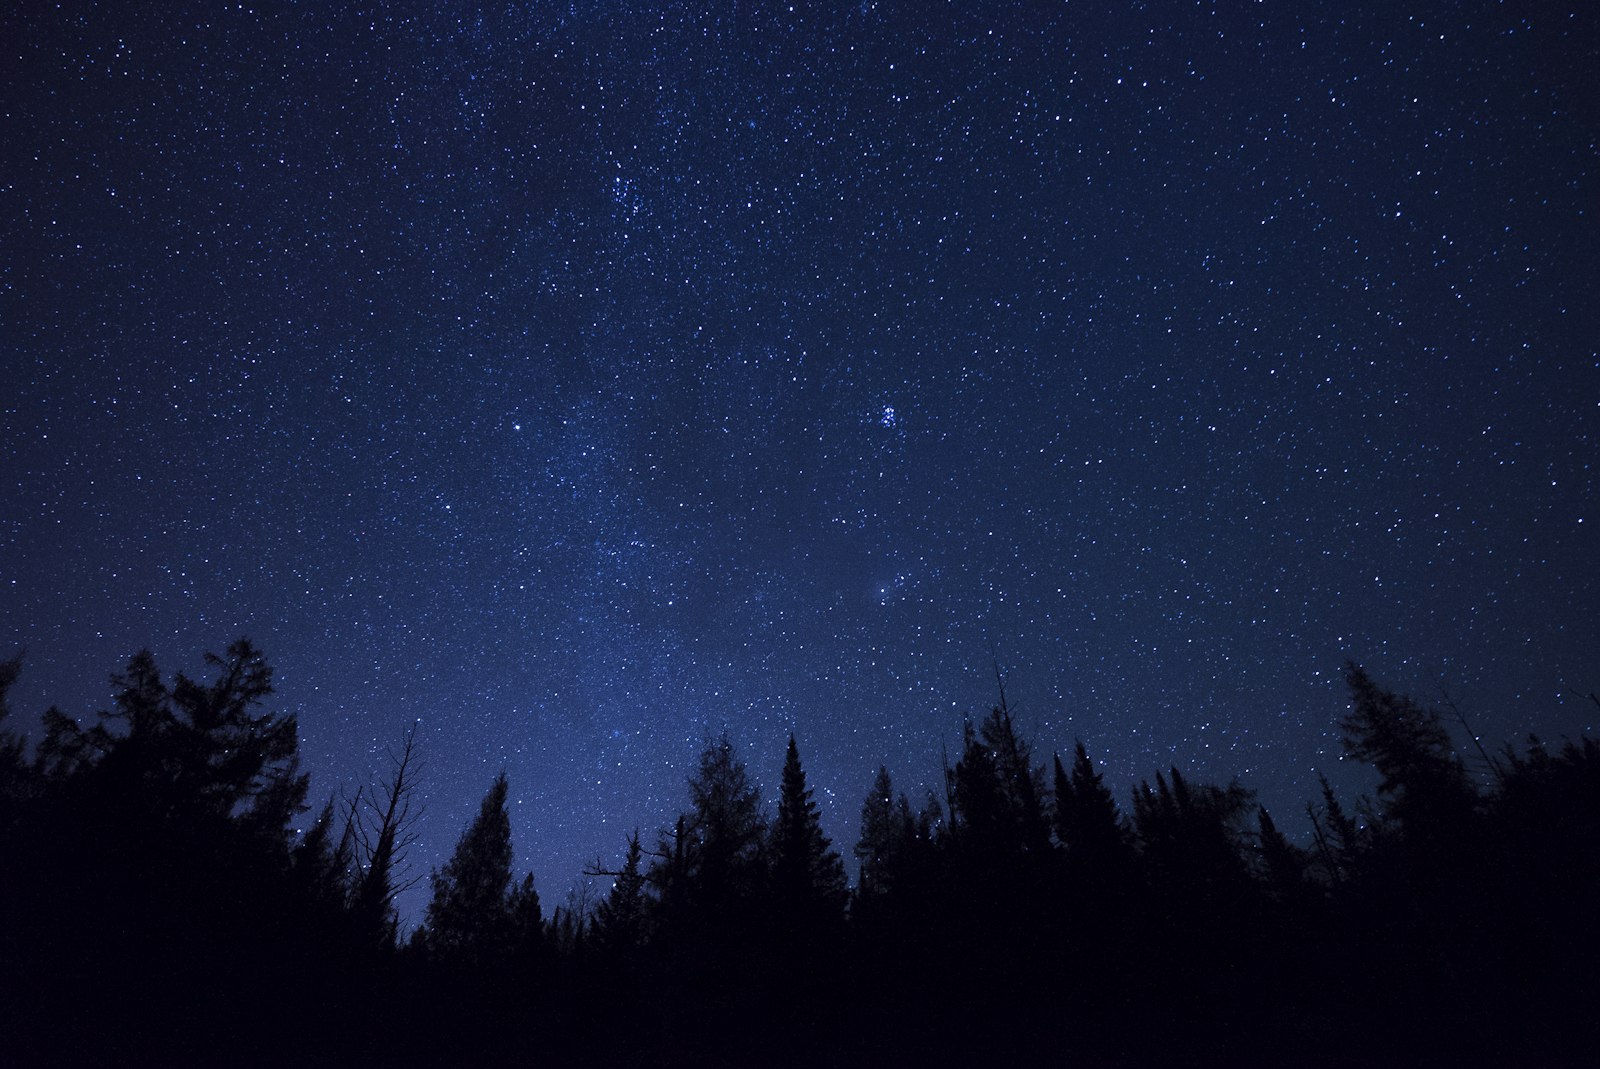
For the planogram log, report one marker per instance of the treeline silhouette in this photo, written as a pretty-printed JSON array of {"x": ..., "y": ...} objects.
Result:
[{"x": 157, "y": 907}]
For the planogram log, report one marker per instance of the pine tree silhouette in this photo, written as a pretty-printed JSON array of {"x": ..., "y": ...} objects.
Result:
[
  {"x": 996, "y": 791},
  {"x": 1422, "y": 780},
  {"x": 808, "y": 881},
  {"x": 152, "y": 848},
  {"x": 875, "y": 847},
  {"x": 1283, "y": 865},
  {"x": 16, "y": 778},
  {"x": 619, "y": 920},
  {"x": 1087, "y": 823},
  {"x": 721, "y": 845},
  {"x": 469, "y": 919}
]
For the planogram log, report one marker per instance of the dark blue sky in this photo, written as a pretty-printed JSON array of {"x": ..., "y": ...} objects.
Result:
[{"x": 586, "y": 380}]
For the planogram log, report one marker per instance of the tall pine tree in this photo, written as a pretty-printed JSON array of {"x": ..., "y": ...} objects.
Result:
[
  {"x": 619, "y": 921},
  {"x": 1282, "y": 865},
  {"x": 996, "y": 791},
  {"x": 469, "y": 918},
  {"x": 875, "y": 849},
  {"x": 1086, "y": 820},
  {"x": 717, "y": 854},
  {"x": 808, "y": 880},
  {"x": 1423, "y": 783}
]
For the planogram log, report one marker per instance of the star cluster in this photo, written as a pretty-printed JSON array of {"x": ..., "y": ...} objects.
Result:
[{"x": 578, "y": 382}]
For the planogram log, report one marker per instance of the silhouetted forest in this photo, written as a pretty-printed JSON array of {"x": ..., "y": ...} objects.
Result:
[{"x": 157, "y": 907}]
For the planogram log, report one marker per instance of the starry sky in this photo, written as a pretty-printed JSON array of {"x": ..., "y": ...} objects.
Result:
[{"x": 580, "y": 381}]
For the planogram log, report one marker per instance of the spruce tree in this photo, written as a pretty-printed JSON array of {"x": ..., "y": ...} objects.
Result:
[
  {"x": 525, "y": 939},
  {"x": 1192, "y": 835},
  {"x": 1338, "y": 836},
  {"x": 1282, "y": 864},
  {"x": 196, "y": 754},
  {"x": 1086, "y": 818},
  {"x": 469, "y": 917},
  {"x": 725, "y": 833},
  {"x": 874, "y": 850},
  {"x": 14, "y": 772},
  {"x": 808, "y": 880},
  {"x": 239, "y": 762},
  {"x": 619, "y": 920},
  {"x": 997, "y": 792},
  {"x": 1423, "y": 783},
  {"x": 319, "y": 867},
  {"x": 978, "y": 811},
  {"x": 1062, "y": 822}
]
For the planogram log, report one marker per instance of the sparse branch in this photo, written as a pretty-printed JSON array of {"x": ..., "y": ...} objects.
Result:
[
  {"x": 649, "y": 875},
  {"x": 1319, "y": 836},
  {"x": 1461, "y": 718},
  {"x": 384, "y": 831},
  {"x": 1592, "y": 696}
]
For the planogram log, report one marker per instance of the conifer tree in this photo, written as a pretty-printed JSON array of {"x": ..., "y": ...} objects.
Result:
[
  {"x": 197, "y": 753},
  {"x": 317, "y": 867},
  {"x": 916, "y": 849},
  {"x": 525, "y": 939},
  {"x": 1192, "y": 835},
  {"x": 1338, "y": 837},
  {"x": 725, "y": 833},
  {"x": 14, "y": 772},
  {"x": 1062, "y": 784},
  {"x": 996, "y": 791},
  {"x": 1422, "y": 780},
  {"x": 569, "y": 932},
  {"x": 469, "y": 918},
  {"x": 239, "y": 763},
  {"x": 618, "y": 924},
  {"x": 670, "y": 871},
  {"x": 1086, "y": 819},
  {"x": 1282, "y": 863},
  {"x": 875, "y": 847},
  {"x": 172, "y": 811},
  {"x": 808, "y": 878}
]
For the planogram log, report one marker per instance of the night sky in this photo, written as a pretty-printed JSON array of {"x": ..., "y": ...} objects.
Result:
[{"x": 582, "y": 381}]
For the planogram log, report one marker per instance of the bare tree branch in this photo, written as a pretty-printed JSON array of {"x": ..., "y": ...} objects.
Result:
[
  {"x": 1592, "y": 696},
  {"x": 384, "y": 830},
  {"x": 1461, "y": 718}
]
